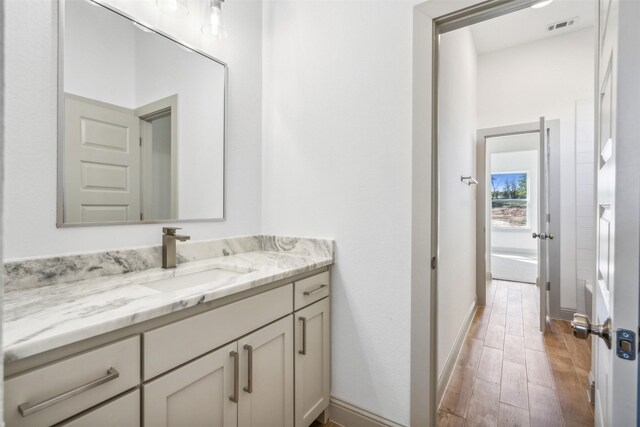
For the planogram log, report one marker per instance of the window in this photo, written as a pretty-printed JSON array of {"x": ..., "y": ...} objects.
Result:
[{"x": 509, "y": 199}]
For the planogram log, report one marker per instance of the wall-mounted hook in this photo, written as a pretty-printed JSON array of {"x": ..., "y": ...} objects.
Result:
[{"x": 470, "y": 180}]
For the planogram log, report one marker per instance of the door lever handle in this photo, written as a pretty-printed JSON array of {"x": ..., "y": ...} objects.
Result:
[
  {"x": 582, "y": 327},
  {"x": 543, "y": 236}
]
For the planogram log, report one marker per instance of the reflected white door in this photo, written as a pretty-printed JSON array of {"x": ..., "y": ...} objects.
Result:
[
  {"x": 101, "y": 162},
  {"x": 543, "y": 235}
]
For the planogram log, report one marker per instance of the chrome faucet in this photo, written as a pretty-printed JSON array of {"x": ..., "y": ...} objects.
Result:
[{"x": 169, "y": 238}]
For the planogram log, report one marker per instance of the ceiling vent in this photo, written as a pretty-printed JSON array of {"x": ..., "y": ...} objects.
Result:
[{"x": 562, "y": 24}]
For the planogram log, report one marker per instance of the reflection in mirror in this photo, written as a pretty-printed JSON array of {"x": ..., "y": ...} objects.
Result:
[{"x": 142, "y": 123}]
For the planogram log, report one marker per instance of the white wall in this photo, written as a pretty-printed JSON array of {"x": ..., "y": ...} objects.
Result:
[
  {"x": 457, "y": 203},
  {"x": 162, "y": 69},
  {"x": 585, "y": 191},
  {"x": 520, "y": 84},
  {"x": 31, "y": 95},
  {"x": 103, "y": 74},
  {"x": 337, "y": 81}
]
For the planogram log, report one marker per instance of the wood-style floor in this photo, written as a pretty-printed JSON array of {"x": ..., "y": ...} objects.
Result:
[{"x": 508, "y": 374}]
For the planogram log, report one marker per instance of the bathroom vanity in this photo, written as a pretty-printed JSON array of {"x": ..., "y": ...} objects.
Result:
[{"x": 242, "y": 339}]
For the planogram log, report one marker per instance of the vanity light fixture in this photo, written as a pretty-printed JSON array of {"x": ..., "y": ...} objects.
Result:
[
  {"x": 212, "y": 24},
  {"x": 541, "y": 4},
  {"x": 176, "y": 8}
]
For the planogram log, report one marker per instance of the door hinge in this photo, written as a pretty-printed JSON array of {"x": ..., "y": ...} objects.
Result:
[
  {"x": 140, "y": 216},
  {"x": 548, "y": 286},
  {"x": 592, "y": 393},
  {"x": 548, "y": 217},
  {"x": 434, "y": 263},
  {"x": 140, "y": 141}
]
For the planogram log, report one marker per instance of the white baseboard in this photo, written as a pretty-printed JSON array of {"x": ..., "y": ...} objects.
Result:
[
  {"x": 346, "y": 414},
  {"x": 455, "y": 351}
]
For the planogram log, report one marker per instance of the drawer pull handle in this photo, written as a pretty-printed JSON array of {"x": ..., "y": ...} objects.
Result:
[
  {"x": 304, "y": 336},
  {"x": 249, "y": 387},
  {"x": 318, "y": 289},
  {"x": 236, "y": 376},
  {"x": 27, "y": 408}
]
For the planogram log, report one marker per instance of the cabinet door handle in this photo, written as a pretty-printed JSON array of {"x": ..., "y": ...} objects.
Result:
[
  {"x": 318, "y": 289},
  {"x": 236, "y": 377},
  {"x": 29, "y": 408},
  {"x": 304, "y": 336},
  {"x": 249, "y": 387}
]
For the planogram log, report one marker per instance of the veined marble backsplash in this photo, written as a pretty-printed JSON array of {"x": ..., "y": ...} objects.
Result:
[{"x": 37, "y": 272}]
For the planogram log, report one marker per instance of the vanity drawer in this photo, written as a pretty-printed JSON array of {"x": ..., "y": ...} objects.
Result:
[
  {"x": 311, "y": 289},
  {"x": 121, "y": 412},
  {"x": 57, "y": 391},
  {"x": 177, "y": 343}
]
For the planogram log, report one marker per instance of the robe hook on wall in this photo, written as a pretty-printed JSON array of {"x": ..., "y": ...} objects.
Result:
[{"x": 470, "y": 180}]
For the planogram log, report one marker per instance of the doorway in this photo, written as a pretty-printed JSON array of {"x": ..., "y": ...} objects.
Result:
[{"x": 525, "y": 211}]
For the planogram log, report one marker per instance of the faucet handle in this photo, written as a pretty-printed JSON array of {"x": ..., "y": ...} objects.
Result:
[{"x": 170, "y": 231}]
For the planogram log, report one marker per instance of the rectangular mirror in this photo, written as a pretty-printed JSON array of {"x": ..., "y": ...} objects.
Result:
[{"x": 141, "y": 123}]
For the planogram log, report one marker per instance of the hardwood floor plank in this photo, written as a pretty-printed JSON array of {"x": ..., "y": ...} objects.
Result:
[
  {"x": 446, "y": 419},
  {"x": 538, "y": 370},
  {"x": 534, "y": 340},
  {"x": 470, "y": 353},
  {"x": 499, "y": 308},
  {"x": 490, "y": 367},
  {"x": 478, "y": 328},
  {"x": 511, "y": 416},
  {"x": 509, "y": 374},
  {"x": 495, "y": 336},
  {"x": 545, "y": 409},
  {"x": 491, "y": 292},
  {"x": 458, "y": 393},
  {"x": 484, "y": 404},
  {"x": 572, "y": 394},
  {"x": 514, "y": 385},
  {"x": 514, "y": 349}
]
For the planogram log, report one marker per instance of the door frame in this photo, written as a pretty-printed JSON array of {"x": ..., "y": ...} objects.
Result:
[
  {"x": 431, "y": 19},
  {"x": 148, "y": 113},
  {"x": 483, "y": 239}
]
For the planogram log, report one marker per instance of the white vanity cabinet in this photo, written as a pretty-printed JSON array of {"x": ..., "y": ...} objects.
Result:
[
  {"x": 246, "y": 383},
  {"x": 266, "y": 376},
  {"x": 59, "y": 390},
  {"x": 122, "y": 411},
  {"x": 200, "y": 393},
  {"x": 258, "y": 359},
  {"x": 313, "y": 361}
]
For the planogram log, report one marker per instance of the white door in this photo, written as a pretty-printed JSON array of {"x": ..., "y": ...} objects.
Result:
[
  {"x": 266, "y": 376},
  {"x": 313, "y": 357},
  {"x": 203, "y": 392},
  {"x": 101, "y": 162},
  {"x": 616, "y": 296},
  {"x": 543, "y": 235}
]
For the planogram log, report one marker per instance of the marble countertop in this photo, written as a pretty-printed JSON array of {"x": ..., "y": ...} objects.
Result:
[{"x": 47, "y": 317}]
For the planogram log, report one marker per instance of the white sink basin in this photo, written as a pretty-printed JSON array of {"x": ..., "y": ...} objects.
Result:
[{"x": 193, "y": 279}]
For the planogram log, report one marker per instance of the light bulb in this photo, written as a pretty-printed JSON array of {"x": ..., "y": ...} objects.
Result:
[
  {"x": 173, "y": 7},
  {"x": 541, "y": 4},
  {"x": 212, "y": 24}
]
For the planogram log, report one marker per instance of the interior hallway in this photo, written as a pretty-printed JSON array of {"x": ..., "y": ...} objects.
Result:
[{"x": 507, "y": 374}]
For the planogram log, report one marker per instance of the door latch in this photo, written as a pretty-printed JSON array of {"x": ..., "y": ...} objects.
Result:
[{"x": 626, "y": 344}]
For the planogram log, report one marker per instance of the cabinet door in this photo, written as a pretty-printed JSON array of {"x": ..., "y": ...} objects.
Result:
[
  {"x": 266, "y": 375},
  {"x": 201, "y": 393},
  {"x": 313, "y": 361}
]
